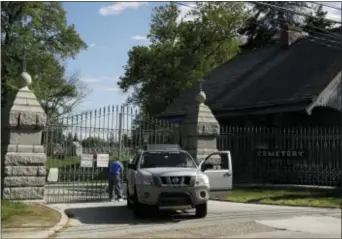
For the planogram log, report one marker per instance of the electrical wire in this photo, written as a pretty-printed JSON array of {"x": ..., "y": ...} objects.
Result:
[
  {"x": 309, "y": 37},
  {"x": 325, "y": 5},
  {"x": 317, "y": 40},
  {"x": 328, "y": 33},
  {"x": 291, "y": 11},
  {"x": 313, "y": 39}
]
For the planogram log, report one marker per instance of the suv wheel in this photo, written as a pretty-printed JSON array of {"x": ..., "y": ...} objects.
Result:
[
  {"x": 128, "y": 199},
  {"x": 138, "y": 208},
  {"x": 202, "y": 210}
]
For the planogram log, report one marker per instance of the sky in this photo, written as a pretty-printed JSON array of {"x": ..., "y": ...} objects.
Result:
[{"x": 111, "y": 29}]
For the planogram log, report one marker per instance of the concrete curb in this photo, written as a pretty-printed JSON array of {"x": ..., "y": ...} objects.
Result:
[
  {"x": 270, "y": 204},
  {"x": 60, "y": 225},
  {"x": 286, "y": 186}
]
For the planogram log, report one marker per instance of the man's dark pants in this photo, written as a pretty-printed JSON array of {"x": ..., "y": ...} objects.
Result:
[{"x": 114, "y": 182}]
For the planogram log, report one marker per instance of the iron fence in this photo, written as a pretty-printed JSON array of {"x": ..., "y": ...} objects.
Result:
[
  {"x": 303, "y": 156},
  {"x": 114, "y": 130}
]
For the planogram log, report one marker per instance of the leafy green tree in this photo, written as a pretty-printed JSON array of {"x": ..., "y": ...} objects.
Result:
[
  {"x": 40, "y": 31},
  {"x": 180, "y": 53},
  {"x": 314, "y": 25},
  {"x": 93, "y": 142},
  {"x": 265, "y": 22}
]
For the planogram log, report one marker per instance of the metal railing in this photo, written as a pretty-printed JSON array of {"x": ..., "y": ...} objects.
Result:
[{"x": 304, "y": 156}]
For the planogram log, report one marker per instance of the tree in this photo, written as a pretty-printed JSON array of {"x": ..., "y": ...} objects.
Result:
[
  {"x": 40, "y": 31},
  {"x": 57, "y": 94},
  {"x": 265, "y": 22},
  {"x": 93, "y": 142},
  {"x": 314, "y": 25},
  {"x": 180, "y": 53}
]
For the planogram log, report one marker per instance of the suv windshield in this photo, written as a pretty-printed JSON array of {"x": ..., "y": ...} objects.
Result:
[{"x": 166, "y": 159}]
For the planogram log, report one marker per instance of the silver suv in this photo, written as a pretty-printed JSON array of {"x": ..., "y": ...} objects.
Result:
[{"x": 167, "y": 178}]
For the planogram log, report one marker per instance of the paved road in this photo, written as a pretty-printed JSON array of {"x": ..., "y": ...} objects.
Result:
[{"x": 113, "y": 220}]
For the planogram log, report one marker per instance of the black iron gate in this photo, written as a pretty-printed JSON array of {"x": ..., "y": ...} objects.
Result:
[
  {"x": 114, "y": 130},
  {"x": 302, "y": 156}
]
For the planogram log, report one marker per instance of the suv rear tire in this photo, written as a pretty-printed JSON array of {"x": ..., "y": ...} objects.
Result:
[{"x": 202, "y": 210}]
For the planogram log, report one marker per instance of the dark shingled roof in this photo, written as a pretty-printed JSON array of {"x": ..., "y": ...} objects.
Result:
[{"x": 267, "y": 77}]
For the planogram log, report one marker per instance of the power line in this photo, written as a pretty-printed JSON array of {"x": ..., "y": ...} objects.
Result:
[
  {"x": 310, "y": 37},
  {"x": 328, "y": 33},
  {"x": 303, "y": 14},
  {"x": 292, "y": 11},
  {"x": 317, "y": 40},
  {"x": 325, "y": 5}
]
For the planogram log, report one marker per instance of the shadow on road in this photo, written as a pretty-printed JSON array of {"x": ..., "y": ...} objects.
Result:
[{"x": 122, "y": 215}]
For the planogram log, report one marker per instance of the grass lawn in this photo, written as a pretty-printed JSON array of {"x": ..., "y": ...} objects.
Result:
[
  {"x": 59, "y": 163},
  {"x": 22, "y": 215},
  {"x": 285, "y": 197}
]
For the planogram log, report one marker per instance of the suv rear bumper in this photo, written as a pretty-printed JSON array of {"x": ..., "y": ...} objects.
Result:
[{"x": 167, "y": 198}]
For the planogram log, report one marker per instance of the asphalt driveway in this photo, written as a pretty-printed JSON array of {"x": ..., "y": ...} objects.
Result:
[{"x": 224, "y": 220}]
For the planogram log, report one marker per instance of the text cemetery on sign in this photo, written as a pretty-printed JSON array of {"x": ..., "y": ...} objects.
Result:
[{"x": 268, "y": 153}]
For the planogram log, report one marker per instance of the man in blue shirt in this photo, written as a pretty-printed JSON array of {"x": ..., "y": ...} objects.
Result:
[{"x": 114, "y": 179}]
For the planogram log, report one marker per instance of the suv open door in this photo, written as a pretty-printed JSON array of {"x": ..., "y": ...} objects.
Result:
[{"x": 218, "y": 167}]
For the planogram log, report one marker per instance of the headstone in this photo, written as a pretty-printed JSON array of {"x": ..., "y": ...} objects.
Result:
[
  {"x": 23, "y": 158},
  {"x": 200, "y": 129}
]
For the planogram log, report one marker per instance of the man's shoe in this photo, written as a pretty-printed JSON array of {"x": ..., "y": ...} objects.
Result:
[
  {"x": 120, "y": 199},
  {"x": 112, "y": 200}
]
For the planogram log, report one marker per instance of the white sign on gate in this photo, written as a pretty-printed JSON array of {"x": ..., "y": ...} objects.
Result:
[
  {"x": 102, "y": 160},
  {"x": 53, "y": 175},
  {"x": 87, "y": 161}
]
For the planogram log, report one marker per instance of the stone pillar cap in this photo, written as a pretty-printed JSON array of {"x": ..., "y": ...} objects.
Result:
[
  {"x": 201, "y": 97},
  {"x": 25, "y": 80}
]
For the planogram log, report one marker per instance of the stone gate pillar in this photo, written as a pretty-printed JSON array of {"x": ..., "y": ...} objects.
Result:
[
  {"x": 22, "y": 154},
  {"x": 200, "y": 129}
]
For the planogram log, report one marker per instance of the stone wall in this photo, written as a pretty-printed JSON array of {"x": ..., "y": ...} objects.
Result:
[{"x": 23, "y": 157}]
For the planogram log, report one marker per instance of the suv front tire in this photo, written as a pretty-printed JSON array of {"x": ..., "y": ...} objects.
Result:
[
  {"x": 138, "y": 209},
  {"x": 128, "y": 199},
  {"x": 202, "y": 210}
]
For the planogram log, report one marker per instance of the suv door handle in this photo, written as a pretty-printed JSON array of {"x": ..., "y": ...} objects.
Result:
[{"x": 227, "y": 174}]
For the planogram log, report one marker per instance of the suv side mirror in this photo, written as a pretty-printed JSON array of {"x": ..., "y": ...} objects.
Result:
[{"x": 131, "y": 166}]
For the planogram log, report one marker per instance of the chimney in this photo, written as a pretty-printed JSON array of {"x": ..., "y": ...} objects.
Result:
[{"x": 289, "y": 36}]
